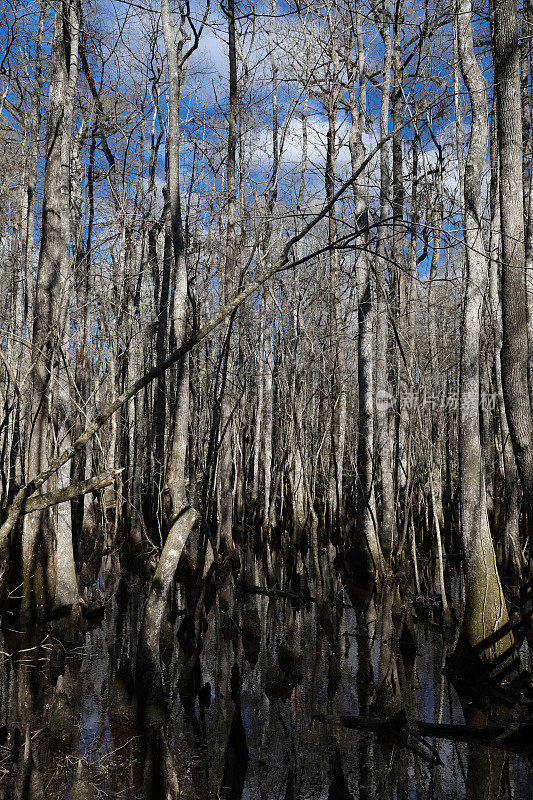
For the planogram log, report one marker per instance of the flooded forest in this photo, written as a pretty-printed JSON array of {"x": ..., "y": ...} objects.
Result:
[{"x": 266, "y": 399}]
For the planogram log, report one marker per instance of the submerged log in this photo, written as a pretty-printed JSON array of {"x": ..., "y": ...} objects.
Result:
[
  {"x": 517, "y": 737},
  {"x": 275, "y": 593}
]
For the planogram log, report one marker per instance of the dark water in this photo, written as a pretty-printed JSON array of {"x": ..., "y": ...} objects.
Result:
[{"x": 357, "y": 661}]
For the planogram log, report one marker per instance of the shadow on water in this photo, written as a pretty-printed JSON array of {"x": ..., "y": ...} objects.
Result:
[{"x": 264, "y": 695}]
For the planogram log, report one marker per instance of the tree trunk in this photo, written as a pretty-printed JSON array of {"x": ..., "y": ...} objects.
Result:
[
  {"x": 226, "y": 457},
  {"x": 337, "y": 356},
  {"x": 39, "y": 574},
  {"x": 485, "y": 612},
  {"x": 507, "y": 521},
  {"x": 176, "y": 471},
  {"x": 514, "y": 352},
  {"x": 368, "y": 548},
  {"x": 66, "y": 593},
  {"x": 383, "y": 408},
  {"x": 148, "y": 672}
]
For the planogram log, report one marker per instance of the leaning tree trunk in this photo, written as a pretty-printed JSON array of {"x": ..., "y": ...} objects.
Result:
[
  {"x": 148, "y": 671},
  {"x": 485, "y": 611}
]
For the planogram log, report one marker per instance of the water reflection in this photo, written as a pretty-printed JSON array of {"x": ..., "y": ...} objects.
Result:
[{"x": 242, "y": 679}]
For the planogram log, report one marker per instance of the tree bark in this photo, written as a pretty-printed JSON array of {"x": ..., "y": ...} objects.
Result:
[
  {"x": 485, "y": 610},
  {"x": 230, "y": 264},
  {"x": 148, "y": 672},
  {"x": 176, "y": 470},
  {"x": 383, "y": 438},
  {"x": 39, "y": 573},
  {"x": 514, "y": 352}
]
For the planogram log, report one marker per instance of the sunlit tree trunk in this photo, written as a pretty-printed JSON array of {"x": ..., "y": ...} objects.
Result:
[
  {"x": 485, "y": 611},
  {"x": 398, "y": 294},
  {"x": 66, "y": 593},
  {"x": 437, "y": 385},
  {"x": 367, "y": 543},
  {"x": 176, "y": 469},
  {"x": 383, "y": 438},
  {"x": 38, "y": 545}
]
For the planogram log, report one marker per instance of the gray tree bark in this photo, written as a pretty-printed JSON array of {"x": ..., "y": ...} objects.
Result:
[
  {"x": 38, "y": 541},
  {"x": 485, "y": 610},
  {"x": 514, "y": 351}
]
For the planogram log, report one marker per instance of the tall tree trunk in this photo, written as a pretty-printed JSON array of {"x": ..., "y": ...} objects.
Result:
[
  {"x": 176, "y": 472},
  {"x": 258, "y": 427},
  {"x": 28, "y": 221},
  {"x": 66, "y": 593},
  {"x": 298, "y": 476},
  {"x": 383, "y": 438},
  {"x": 527, "y": 178},
  {"x": 485, "y": 611},
  {"x": 337, "y": 356},
  {"x": 367, "y": 546},
  {"x": 230, "y": 266},
  {"x": 514, "y": 352},
  {"x": 399, "y": 293},
  {"x": 507, "y": 523},
  {"x": 437, "y": 386},
  {"x": 38, "y": 545}
]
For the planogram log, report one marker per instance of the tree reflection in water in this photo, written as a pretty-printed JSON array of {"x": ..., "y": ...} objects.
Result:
[{"x": 241, "y": 681}]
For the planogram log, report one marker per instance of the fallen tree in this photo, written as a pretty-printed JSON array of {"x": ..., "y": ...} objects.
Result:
[{"x": 517, "y": 737}]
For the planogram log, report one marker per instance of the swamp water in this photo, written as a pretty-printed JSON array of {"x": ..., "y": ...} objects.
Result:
[{"x": 69, "y": 710}]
